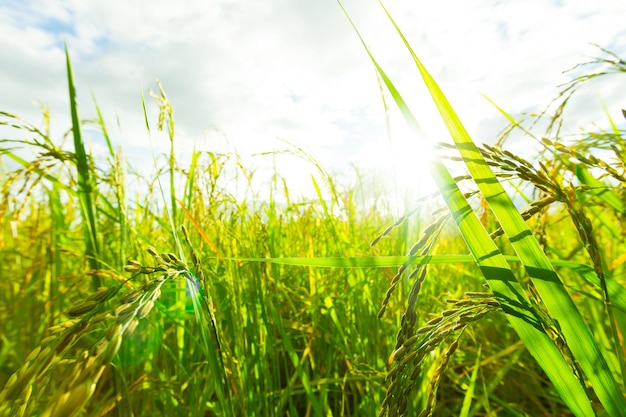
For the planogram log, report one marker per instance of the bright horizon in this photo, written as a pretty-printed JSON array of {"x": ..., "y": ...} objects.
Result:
[{"x": 240, "y": 76}]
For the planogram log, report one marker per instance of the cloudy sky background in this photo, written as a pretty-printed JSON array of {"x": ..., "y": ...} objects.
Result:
[{"x": 241, "y": 74}]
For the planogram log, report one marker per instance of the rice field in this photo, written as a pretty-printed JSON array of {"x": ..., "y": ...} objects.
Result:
[{"x": 185, "y": 299}]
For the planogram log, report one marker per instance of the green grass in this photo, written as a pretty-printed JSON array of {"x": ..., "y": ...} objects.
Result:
[{"x": 212, "y": 304}]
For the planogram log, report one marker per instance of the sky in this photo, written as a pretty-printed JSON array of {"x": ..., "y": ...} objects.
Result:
[{"x": 246, "y": 76}]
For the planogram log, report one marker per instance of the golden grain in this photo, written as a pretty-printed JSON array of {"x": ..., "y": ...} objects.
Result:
[
  {"x": 49, "y": 339},
  {"x": 82, "y": 308},
  {"x": 11, "y": 380},
  {"x": 33, "y": 354},
  {"x": 45, "y": 352},
  {"x": 15, "y": 385},
  {"x": 145, "y": 309},
  {"x": 451, "y": 311},
  {"x": 123, "y": 311},
  {"x": 112, "y": 330},
  {"x": 152, "y": 284},
  {"x": 102, "y": 295},
  {"x": 111, "y": 349},
  {"x": 392, "y": 373},
  {"x": 416, "y": 371},
  {"x": 131, "y": 327},
  {"x": 54, "y": 330},
  {"x": 453, "y": 346},
  {"x": 425, "y": 329},
  {"x": 411, "y": 340},
  {"x": 24, "y": 400},
  {"x": 407, "y": 359},
  {"x": 174, "y": 259},
  {"x": 86, "y": 367},
  {"x": 72, "y": 402},
  {"x": 133, "y": 267},
  {"x": 396, "y": 354},
  {"x": 152, "y": 251},
  {"x": 131, "y": 297},
  {"x": 402, "y": 405},
  {"x": 458, "y": 327},
  {"x": 71, "y": 323}
]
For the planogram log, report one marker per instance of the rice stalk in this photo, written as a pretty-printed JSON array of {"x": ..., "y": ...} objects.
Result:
[
  {"x": 166, "y": 119},
  {"x": 498, "y": 272},
  {"x": 409, "y": 358},
  {"x": 66, "y": 348},
  {"x": 546, "y": 181},
  {"x": 212, "y": 344},
  {"x": 544, "y": 278}
]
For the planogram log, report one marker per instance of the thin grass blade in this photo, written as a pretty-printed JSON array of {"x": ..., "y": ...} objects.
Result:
[{"x": 85, "y": 183}]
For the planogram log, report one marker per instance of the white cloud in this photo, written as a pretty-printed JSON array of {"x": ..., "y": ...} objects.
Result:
[{"x": 295, "y": 69}]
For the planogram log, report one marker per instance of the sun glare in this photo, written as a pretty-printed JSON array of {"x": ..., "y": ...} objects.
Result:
[
  {"x": 403, "y": 163},
  {"x": 411, "y": 165}
]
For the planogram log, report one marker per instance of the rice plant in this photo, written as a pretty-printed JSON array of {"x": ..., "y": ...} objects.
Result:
[
  {"x": 189, "y": 300},
  {"x": 552, "y": 328}
]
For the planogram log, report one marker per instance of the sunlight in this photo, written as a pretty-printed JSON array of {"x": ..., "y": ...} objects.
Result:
[
  {"x": 401, "y": 164},
  {"x": 409, "y": 171}
]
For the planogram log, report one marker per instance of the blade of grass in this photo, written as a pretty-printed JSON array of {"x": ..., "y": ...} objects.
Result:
[
  {"x": 189, "y": 187},
  {"x": 211, "y": 345},
  {"x": 469, "y": 394},
  {"x": 511, "y": 119},
  {"x": 117, "y": 161},
  {"x": 102, "y": 126},
  {"x": 615, "y": 289},
  {"x": 85, "y": 184},
  {"x": 297, "y": 362}
]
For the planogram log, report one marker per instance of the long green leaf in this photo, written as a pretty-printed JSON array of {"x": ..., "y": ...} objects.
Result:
[
  {"x": 616, "y": 291},
  {"x": 552, "y": 291},
  {"x": 491, "y": 262},
  {"x": 85, "y": 184}
]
